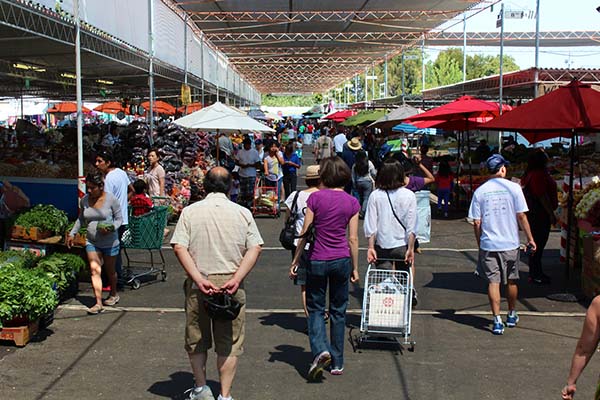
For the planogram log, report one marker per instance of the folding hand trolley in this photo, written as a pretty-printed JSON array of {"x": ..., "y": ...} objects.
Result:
[
  {"x": 387, "y": 308},
  {"x": 265, "y": 201}
]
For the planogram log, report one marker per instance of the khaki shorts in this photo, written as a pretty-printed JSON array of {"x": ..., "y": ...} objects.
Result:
[
  {"x": 200, "y": 329},
  {"x": 498, "y": 266}
]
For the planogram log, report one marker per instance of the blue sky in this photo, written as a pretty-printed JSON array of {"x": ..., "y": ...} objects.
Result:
[{"x": 555, "y": 15}]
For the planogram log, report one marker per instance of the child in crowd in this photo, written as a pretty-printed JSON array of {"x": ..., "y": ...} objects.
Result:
[
  {"x": 299, "y": 149},
  {"x": 140, "y": 202},
  {"x": 235, "y": 185},
  {"x": 445, "y": 182}
]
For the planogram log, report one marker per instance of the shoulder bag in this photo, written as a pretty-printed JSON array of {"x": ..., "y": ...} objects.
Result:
[
  {"x": 288, "y": 233},
  {"x": 398, "y": 219}
]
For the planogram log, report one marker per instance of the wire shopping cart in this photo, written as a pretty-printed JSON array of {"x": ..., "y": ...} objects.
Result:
[
  {"x": 387, "y": 308},
  {"x": 145, "y": 232}
]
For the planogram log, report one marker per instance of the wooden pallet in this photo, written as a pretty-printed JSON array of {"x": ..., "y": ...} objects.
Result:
[{"x": 20, "y": 335}]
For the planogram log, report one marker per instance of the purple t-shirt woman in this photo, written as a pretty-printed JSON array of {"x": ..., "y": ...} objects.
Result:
[{"x": 333, "y": 210}]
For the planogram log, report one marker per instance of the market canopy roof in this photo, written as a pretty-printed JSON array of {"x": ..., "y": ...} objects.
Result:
[
  {"x": 364, "y": 117},
  {"x": 301, "y": 46},
  {"x": 395, "y": 116},
  {"x": 222, "y": 118}
]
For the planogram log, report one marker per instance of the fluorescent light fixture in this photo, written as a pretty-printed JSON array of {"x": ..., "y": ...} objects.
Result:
[
  {"x": 28, "y": 67},
  {"x": 104, "y": 81},
  {"x": 67, "y": 75}
]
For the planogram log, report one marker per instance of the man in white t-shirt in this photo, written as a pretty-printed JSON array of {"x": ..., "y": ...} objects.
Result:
[
  {"x": 339, "y": 141},
  {"x": 248, "y": 160},
  {"x": 498, "y": 209}
]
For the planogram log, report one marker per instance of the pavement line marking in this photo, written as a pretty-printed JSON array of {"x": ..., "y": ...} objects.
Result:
[
  {"x": 424, "y": 249},
  {"x": 77, "y": 307}
]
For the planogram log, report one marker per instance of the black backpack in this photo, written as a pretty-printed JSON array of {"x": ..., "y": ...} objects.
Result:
[{"x": 288, "y": 233}]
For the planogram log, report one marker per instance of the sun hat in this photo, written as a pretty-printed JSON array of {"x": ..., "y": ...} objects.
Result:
[
  {"x": 495, "y": 162},
  {"x": 312, "y": 172},
  {"x": 354, "y": 144}
]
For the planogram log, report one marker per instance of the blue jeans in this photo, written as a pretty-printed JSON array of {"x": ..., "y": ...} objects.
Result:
[
  {"x": 336, "y": 273},
  {"x": 443, "y": 194}
]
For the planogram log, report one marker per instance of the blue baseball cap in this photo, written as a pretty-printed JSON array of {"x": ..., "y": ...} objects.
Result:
[{"x": 495, "y": 162}]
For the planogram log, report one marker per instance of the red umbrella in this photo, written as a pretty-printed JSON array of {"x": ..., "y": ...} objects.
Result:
[
  {"x": 159, "y": 107},
  {"x": 462, "y": 109},
  {"x": 66, "y": 108},
  {"x": 571, "y": 108},
  {"x": 112, "y": 107},
  {"x": 340, "y": 116},
  {"x": 192, "y": 107}
]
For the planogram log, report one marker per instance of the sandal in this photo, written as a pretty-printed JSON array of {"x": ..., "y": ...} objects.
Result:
[{"x": 97, "y": 309}]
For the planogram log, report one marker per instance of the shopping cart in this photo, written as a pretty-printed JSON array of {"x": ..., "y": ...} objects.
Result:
[
  {"x": 265, "y": 200},
  {"x": 145, "y": 232},
  {"x": 387, "y": 308}
]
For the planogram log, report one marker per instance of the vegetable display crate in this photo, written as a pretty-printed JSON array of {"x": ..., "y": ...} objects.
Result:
[
  {"x": 78, "y": 240},
  {"x": 20, "y": 335},
  {"x": 39, "y": 249},
  {"x": 33, "y": 233}
]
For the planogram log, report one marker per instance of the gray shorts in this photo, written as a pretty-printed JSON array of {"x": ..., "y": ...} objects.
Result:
[{"x": 498, "y": 266}]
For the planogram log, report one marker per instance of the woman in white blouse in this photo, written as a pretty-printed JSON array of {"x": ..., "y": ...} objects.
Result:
[{"x": 391, "y": 219}]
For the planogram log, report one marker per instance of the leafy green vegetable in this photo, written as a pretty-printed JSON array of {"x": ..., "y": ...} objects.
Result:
[
  {"x": 25, "y": 292},
  {"x": 61, "y": 268},
  {"x": 45, "y": 217},
  {"x": 106, "y": 225},
  {"x": 19, "y": 258}
]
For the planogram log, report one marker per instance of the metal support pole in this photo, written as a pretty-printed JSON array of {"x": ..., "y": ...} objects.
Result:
[
  {"x": 185, "y": 49},
  {"x": 402, "y": 63},
  {"x": 151, "y": 67},
  {"x": 366, "y": 85},
  {"x": 500, "y": 83},
  {"x": 536, "y": 85},
  {"x": 464, "y": 47},
  {"x": 423, "y": 62},
  {"x": 385, "y": 77},
  {"x": 80, "y": 177},
  {"x": 202, "y": 65},
  {"x": 356, "y": 88},
  {"x": 373, "y": 85}
]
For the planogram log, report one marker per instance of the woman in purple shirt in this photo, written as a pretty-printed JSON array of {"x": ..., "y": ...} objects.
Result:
[{"x": 333, "y": 262}]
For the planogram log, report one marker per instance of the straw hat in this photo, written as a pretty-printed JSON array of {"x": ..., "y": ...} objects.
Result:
[
  {"x": 312, "y": 172},
  {"x": 354, "y": 144}
]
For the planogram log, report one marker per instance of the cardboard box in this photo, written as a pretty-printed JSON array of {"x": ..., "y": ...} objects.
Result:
[{"x": 21, "y": 335}]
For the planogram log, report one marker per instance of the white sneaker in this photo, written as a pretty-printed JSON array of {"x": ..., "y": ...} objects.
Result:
[{"x": 200, "y": 393}]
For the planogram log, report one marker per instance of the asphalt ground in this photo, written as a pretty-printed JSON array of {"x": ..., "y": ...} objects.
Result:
[{"x": 136, "y": 350}]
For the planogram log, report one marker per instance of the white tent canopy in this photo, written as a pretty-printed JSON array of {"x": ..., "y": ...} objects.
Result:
[{"x": 222, "y": 118}]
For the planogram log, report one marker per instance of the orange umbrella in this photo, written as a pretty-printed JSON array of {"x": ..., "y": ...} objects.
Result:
[
  {"x": 159, "y": 107},
  {"x": 112, "y": 107},
  {"x": 192, "y": 107},
  {"x": 66, "y": 108}
]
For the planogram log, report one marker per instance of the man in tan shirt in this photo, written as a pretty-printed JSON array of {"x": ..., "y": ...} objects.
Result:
[
  {"x": 323, "y": 147},
  {"x": 217, "y": 242}
]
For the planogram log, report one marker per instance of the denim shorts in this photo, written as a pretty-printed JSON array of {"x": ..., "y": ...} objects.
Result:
[{"x": 109, "y": 251}]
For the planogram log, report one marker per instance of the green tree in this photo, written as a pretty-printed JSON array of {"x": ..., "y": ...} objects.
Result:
[{"x": 291, "y": 101}]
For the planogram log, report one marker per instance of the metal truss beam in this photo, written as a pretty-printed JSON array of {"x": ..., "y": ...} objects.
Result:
[
  {"x": 379, "y": 38},
  {"x": 553, "y": 38},
  {"x": 295, "y": 60},
  {"x": 324, "y": 16},
  {"x": 296, "y": 68}
]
